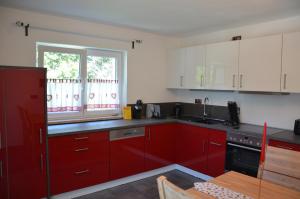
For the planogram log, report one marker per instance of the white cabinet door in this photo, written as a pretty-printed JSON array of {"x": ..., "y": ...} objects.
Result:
[
  {"x": 194, "y": 71},
  {"x": 175, "y": 69},
  {"x": 222, "y": 59},
  {"x": 260, "y": 64},
  {"x": 290, "y": 80}
]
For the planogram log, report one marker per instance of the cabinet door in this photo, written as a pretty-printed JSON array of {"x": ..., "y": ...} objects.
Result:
[
  {"x": 290, "y": 81},
  {"x": 160, "y": 145},
  {"x": 194, "y": 68},
  {"x": 3, "y": 168},
  {"x": 191, "y": 149},
  {"x": 221, "y": 72},
  {"x": 127, "y": 157},
  {"x": 216, "y": 152},
  {"x": 175, "y": 69},
  {"x": 26, "y": 133},
  {"x": 260, "y": 64}
]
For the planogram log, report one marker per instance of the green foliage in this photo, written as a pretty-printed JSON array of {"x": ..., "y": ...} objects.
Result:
[{"x": 100, "y": 67}]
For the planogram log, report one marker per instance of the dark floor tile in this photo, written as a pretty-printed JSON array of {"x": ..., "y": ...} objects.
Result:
[{"x": 145, "y": 188}]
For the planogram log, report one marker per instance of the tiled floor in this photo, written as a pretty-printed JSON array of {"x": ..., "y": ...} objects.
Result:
[{"x": 144, "y": 189}]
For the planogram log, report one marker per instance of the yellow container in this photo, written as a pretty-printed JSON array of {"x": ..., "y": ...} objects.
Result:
[{"x": 127, "y": 113}]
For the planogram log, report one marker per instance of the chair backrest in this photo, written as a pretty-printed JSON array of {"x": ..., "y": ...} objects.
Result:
[
  {"x": 282, "y": 167},
  {"x": 167, "y": 190}
]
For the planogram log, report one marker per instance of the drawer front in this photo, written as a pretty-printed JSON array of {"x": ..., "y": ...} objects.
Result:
[
  {"x": 284, "y": 145},
  {"x": 70, "y": 150},
  {"x": 83, "y": 175}
]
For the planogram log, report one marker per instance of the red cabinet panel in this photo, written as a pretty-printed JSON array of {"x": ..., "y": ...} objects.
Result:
[
  {"x": 216, "y": 152},
  {"x": 77, "y": 161},
  {"x": 24, "y": 98},
  {"x": 191, "y": 147},
  {"x": 160, "y": 145},
  {"x": 127, "y": 157},
  {"x": 284, "y": 145}
]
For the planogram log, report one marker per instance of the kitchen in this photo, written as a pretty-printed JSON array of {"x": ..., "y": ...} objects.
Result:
[{"x": 264, "y": 85}]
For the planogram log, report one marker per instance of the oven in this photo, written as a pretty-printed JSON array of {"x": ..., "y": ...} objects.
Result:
[{"x": 242, "y": 154}]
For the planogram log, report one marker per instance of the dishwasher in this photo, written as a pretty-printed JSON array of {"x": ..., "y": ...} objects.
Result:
[{"x": 127, "y": 152}]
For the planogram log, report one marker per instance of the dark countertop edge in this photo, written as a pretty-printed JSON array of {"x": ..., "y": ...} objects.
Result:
[
  {"x": 286, "y": 136},
  {"x": 149, "y": 122}
]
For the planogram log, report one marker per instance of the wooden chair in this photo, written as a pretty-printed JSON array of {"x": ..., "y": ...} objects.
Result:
[
  {"x": 167, "y": 190},
  {"x": 281, "y": 167}
]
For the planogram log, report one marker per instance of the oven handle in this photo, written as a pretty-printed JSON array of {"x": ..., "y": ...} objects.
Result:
[{"x": 244, "y": 147}]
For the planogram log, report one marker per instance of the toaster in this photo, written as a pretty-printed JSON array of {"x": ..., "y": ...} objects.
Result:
[{"x": 297, "y": 127}]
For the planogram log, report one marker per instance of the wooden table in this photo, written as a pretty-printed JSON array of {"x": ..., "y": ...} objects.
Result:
[{"x": 249, "y": 186}]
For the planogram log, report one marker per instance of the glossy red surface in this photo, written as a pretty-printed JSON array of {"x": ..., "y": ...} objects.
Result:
[
  {"x": 216, "y": 152},
  {"x": 160, "y": 145},
  {"x": 127, "y": 157},
  {"x": 78, "y": 161},
  {"x": 284, "y": 145},
  {"x": 24, "y": 95},
  {"x": 3, "y": 174},
  {"x": 191, "y": 147}
]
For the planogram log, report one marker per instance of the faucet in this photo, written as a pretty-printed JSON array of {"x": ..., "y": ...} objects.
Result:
[{"x": 206, "y": 101}]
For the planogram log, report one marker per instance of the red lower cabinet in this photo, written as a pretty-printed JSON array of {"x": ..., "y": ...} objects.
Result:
[
  {"x": 78, "y": 161},
  {"x": 160, "y": 145},
  {"x": 191, "y": 147},
  {"x": 216, "y": 152},
  {"x": 284, "y": 145},
  {"x": 127, "y": 157}
]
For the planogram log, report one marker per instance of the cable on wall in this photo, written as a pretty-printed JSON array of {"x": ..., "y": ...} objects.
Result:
[{"x": 27, "y": 26}]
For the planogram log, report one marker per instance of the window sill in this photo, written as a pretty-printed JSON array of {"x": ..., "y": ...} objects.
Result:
[{"x": 79, "y": 120}]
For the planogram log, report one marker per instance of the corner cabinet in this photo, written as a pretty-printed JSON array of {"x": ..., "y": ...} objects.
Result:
[
  {"x": 23, "y": 133},
  {"x": 221, "y": 71},
  {"x": 290, "y": 80},
  {"x": 260, "y": 64}
]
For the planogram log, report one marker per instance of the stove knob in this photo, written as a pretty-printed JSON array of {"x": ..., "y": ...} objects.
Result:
[
  {"x": 257, "y": 143},
  {"x": 230, "y": 138},
  {"x": 250, "y": 142},
  {"x": 241, "y": 140},
  {"x": 234, "y": 139}
]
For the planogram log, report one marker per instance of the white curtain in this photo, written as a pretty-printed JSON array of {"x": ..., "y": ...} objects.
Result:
[
  {"x": 64, "y": 95},
  {"x": 102, "y": 95}
]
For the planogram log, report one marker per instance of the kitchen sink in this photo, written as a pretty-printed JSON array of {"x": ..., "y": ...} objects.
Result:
[{"x": 203, "y": 120}]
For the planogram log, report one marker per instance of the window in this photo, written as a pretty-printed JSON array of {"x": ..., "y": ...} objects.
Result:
[{"x": 82, "y": 83}]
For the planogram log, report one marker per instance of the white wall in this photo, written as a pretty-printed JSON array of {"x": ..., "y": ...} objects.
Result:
[
  {"x": 278, "y": 110},
  {"x": 146, "y": 64}
]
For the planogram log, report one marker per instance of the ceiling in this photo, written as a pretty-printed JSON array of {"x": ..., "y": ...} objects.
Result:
[{"x": 169, "y": 17}]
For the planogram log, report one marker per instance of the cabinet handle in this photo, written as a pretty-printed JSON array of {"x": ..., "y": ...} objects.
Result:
[
  {"x": 0, "y": 140},
  {"x": 41, "y": 136},
  {"x": 241, "y": 81},
  {"x": 42, "y": 162},
  {"x": 1, "y": 169},
  {"x": 81, "y": 172},
  {"x": 284, "y": 81},
  {"x": 149, "y": 132},
  {"x": 181, "y": 81},
  {"x": 81, "y": 149},
  {"x": 81, "y": 138},
  {"x": 233, "y": 81},
  {"x": 285, "y": 147},
  {"x": 215, "y": 143}
]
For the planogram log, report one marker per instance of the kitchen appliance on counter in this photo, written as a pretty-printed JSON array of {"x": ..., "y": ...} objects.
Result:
[
  {"x": 234, "y": 114},
  {"x": 177, "y": 110},
  {"x": 137, "y": 109},
  {"x": 153, "y": 111},
  {"x": 297, "y": 127}
]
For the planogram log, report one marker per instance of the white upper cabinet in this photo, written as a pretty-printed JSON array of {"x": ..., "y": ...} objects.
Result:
[
  {"x": 175, "y": 69},
  {"x": 290, "y": 80},
  {"x": 222, "y": 59},
  {"x": 194, "y": 70},
  {"x": 260, "y": 64}
]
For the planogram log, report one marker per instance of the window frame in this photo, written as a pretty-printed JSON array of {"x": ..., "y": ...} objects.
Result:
[{"x": 84, "y": 52}]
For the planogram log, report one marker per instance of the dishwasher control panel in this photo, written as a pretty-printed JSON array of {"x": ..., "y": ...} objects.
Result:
[{"x": 126, "y": 133}]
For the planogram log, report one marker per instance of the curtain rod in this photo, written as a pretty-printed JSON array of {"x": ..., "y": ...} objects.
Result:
[{"x": 27, "y": 26}]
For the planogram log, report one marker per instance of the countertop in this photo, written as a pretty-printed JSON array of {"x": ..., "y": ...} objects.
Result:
[
  {"x": 66, "y": 129},
  {"x": 286, "y": 136}
]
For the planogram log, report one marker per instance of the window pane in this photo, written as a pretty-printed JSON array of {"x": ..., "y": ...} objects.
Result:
[
  {"x": 64, "y": 84},
  {"x": 102, "y": 84},
  {"x": 62, "y": 65},
  {"x": 101, "y": 68}
]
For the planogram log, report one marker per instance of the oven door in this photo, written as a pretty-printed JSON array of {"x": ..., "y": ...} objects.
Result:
[{"x": 242, "y": 159}]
